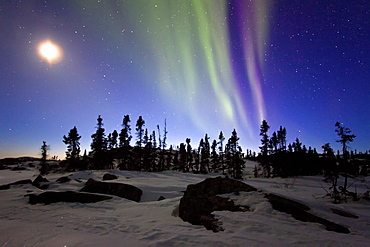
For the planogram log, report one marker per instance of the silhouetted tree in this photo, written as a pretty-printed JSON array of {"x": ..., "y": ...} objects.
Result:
[
  {"x": 112, "y": 140},
  {"x": 140, "y": 123},
  {"x": 297, "y": 145},
  {"x": 73, "y": 147},
  {"x": 264, "y": 148},
  {"x": 44, "y": 154},
  {"x": 145, "y": 138},
  {"x": 214, "y": 156},
  {"x": 205, "y": 154},
  {"x": 154, "y": 141},
  {"x": 189, "y": 155},
  {"x": 274, "y": 141},
  {"x": 345, "y": 137},
  {"x": 237, "y": 163},
  {"x": 125, "y": 135},
  {"x": 164, "y": 141},
  {"x": 99, "y": 146},
  {"x": 281, "y": 136},
  {"x": 327, "y": 150},
  {"x": 182, "y": 158},
  {"x": 221, "y": 138}
]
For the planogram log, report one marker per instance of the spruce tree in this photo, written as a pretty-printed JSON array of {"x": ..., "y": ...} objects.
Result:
[
  {"x": 237, "y": 163},
  {"x": 73, "y": 147},
  {"x": 264, "y": 148},
  {"x": 99, "y": 146},
  {"x": 182, "y": 158},
  {"x": 145, "y": 138},
  {"x": 154, "y": 141},
  {"x": 140, "y": 123},
  {"x": 125, "y": 134},
  {"x": 164, "y": 141},
  {"x": 214, "y": 156},
  {"x": 221, "y": 138},
  {"x": 189, "y": 155},
  {"x": 113, "y": 140},
  {"x": 345, "y": 137},
  {"x": 274, "y": 143},
  {"x": 44, "y": 154},
  {"x": 281, "y": 135}
]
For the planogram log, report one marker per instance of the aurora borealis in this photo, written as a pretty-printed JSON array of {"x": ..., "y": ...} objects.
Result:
[{"x": 204, "y": 66}]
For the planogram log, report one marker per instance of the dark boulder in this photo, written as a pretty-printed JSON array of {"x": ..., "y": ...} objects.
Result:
[
  {"x": 282, "y": 203},
  {"x": 161, "y": 198},
  {"x": 40, "y": 182},
  {"x": 200, "y": 200},
  {"x": 19, "y": 168},
  {"x": 4, "y": 187},
  {"x": 66, "y": 196},
  {"x": 218, "y": 186},
  {"x": 63, "y": 179},
  {"x": 343, "y": 213},
  {"x": 126, "y": 191},
  {"x": 108, "y": 176},
  {"x": 300, "y": 212},
  {"x": 40, "y": 179},
  {"x": 20, "y": 182}
]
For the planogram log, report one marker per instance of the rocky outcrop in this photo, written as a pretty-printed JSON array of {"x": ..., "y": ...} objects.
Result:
[
  {"x": 63, "y": 179},
  {"x": 200, "y": 200},
  {"x": 218, "y": 186},
  {"x": 161, "y": 198},
  {"x": 300, "y": 212},
  {"x": 343, "y": 213},
  {"x": 20, "y": 182},
  {"x": 40, "y": 182},
  {"x": 108, "y": 176},
  {"x": 66, "y": 196},
  {"x": 126, "y": 191}
]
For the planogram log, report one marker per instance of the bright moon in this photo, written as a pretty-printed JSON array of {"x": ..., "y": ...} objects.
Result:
[{"x": 51, "y": 52}]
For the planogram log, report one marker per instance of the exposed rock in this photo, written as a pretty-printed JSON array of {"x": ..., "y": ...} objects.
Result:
[
  {"x": 4, "y": 187},
  {"x": 300, "y": 212},
  {"x": 343, "y": 213},
  {"x": 20, "y": 182},
  {"x": 66, "y": 196},
  {"x": 281, "y": 203},
  {"x": 63, "y": 179},
  {"x": 161, "y": 198},
  {"x": 200, "y": 200},
  {"x": 40, "y": 181},
  {"x": 126, "y": 191},
  {"x": 108, "y": 176},
  {"x": 18, "y": 168},
  {"x": 217, "y": 186}
]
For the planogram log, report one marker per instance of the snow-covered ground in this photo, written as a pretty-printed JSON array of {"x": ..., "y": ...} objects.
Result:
[{"x": 120, "y": 222}]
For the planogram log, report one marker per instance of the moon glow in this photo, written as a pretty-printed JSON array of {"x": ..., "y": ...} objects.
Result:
[{"x": 51, "y": 52}]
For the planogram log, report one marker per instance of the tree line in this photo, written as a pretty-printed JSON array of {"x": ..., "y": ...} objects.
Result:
[
  {"x": 150, "y": 151},
  {"x": 277, "y": 158}
]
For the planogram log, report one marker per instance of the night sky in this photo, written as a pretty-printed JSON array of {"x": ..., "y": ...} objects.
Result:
[{"x": 203, "y": 65}]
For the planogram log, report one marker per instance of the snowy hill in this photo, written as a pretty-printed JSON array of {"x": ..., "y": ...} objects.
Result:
[{"x": 120, "y": 222}]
